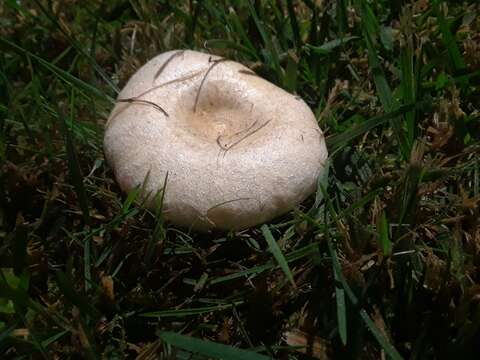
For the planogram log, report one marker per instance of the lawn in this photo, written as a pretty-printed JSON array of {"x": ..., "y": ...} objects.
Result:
[{"x": 382, "y": 262}]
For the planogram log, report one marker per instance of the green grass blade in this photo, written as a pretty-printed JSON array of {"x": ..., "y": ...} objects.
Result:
[
  {"x": 277, "y": 253},
  {"x": 383, "y": 88},
  {"x": 75, "y": 171},
  {"x": 408, "y": 87},
  {"x": 53, "y": 338},
  {"x": 369, "y": 24},
  {"x": 79, "y": 48},
  {"x": 407, "y": 197},
  {"x": 76, "y": 176},
  {"x": 381, "y": 339},
  {"x": 301, "y": 253},
  {"x": 192, "y": 20},
  {"x": 244, "y": 273},
  {"x": 291, "y": 73},
  {"x": 341, "y": 309},
  {"x": 297, "y": 39},
  {"x": 229, "y": 44},
  {"x": 209, "y": 348},
  {"x": 448, "y": 38},
  {"x": 337, "y": 142},
  {"x": 384, "y": 92},
  {"x": 178, "y": 313},
  {"x": 361, "y": 202},
  {"x": 342, "y": 15},
  {"x": 132, "y": 196},
  {"x": 61, "y": 74},
  {"x": 331, "y": 45},
  {"x": 267, "y": 39},
  {"x": 238, "y": 29},
  {"x": 159, "y": 232},
  {"x": 384, "y": 237},
  {"x": 337, "y": 269}
]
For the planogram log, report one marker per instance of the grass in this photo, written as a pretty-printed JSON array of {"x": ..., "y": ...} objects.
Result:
[{"x": 381, "y": 263}]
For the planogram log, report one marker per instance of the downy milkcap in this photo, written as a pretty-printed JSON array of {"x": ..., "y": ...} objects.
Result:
[{"x": 237, "y": 149}]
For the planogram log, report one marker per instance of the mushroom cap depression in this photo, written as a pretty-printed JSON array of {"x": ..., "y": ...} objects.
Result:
[{"x": 238, "y": 150}]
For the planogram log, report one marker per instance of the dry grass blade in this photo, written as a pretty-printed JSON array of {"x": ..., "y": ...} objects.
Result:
[
  {"x": 165, "y": 64},
  {"x": 278, "y": 254},
  {"x": 214, "y": 63},
  {"x": 208, "y": 348},
  {"x": 247, "y": 133},
  {"x": 144, "y": 102},
  {"x": 311, "y": 345}
]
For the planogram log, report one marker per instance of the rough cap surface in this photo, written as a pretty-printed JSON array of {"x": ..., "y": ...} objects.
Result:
[{"x": 238, "y": 150}]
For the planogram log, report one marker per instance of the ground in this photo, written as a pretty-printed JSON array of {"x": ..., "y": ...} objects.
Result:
[{"x": 381, "y": 263}]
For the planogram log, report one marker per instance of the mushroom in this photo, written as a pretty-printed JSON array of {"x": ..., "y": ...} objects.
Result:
[{"x": 236, "y": 149}]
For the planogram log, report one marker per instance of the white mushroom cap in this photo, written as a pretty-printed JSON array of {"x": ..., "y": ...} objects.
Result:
[{"x": 238, "y": 150}]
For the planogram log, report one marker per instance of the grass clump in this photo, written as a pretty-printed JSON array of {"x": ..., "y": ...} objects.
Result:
[{"x": 383, "y": 263}]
